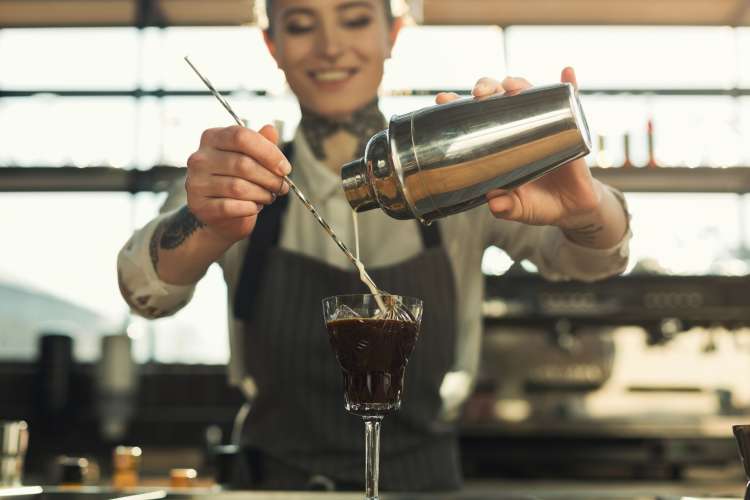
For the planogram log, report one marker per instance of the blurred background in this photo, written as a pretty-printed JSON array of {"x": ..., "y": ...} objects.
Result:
[{"x": 637, "y": 377}]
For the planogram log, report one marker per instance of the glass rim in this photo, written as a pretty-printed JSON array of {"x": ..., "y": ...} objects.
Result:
[{"x": 361, "y": 295}]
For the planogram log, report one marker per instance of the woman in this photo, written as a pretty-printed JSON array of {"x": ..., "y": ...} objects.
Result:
[{"x": 278, "y": 263}]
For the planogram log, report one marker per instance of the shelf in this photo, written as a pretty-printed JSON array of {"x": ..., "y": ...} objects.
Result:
[
  {"x": 159, "y": 178},
  {"x": 676, "y": 179},
  {"x": 162, "y": 93},
  {"x": 88, "y": 179}
]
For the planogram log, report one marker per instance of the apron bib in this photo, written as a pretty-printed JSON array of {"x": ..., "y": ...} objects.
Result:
[{"x": 298, "y": 420}]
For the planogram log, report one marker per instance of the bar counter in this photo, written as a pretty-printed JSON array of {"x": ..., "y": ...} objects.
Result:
[{"x": 490, "y": 490}]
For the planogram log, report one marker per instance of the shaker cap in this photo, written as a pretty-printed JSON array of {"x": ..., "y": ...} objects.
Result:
[{"x": 356, "y": 186}]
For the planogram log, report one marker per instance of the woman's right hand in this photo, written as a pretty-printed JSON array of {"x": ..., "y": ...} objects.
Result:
[{"x": 230, "y": 178}]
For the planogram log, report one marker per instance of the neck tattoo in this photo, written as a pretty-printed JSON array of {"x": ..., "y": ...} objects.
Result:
[{"x": 363, "y": 124}]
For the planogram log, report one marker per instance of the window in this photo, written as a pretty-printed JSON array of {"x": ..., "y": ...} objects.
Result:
[{"x": 62, "y": 247}]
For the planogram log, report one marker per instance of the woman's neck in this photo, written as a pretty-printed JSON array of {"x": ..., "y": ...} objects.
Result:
[{"x": 337, "y": 141}]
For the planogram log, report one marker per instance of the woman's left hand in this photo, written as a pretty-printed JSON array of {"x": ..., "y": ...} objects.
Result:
[{"x": 562, "y": 197}]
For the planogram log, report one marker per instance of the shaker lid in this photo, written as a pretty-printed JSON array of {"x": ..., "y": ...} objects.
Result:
[{"x": 356, "y": 186}]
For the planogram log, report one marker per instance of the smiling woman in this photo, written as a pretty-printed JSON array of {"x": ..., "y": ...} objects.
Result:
[{"x": 278, "y": 264}]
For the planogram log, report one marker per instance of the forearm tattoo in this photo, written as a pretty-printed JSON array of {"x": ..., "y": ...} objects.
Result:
[
  {"x": 172, "y": 232},
  {"x": 585, "y": 234},
  {"x": 364, "y": 123}
]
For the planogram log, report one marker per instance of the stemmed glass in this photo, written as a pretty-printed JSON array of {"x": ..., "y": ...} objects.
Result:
[{"x": 373, "y": 349}]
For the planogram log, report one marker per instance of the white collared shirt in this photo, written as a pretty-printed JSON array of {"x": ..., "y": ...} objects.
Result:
[{"x": 383, "y": 241}]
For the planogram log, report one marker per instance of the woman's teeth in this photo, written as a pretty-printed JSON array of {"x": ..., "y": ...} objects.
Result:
[{"x": 331, "y": 76}]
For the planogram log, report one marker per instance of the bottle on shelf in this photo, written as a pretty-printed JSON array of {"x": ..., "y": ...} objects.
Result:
[
  {"x": 603, "y": 159},
  {"x": 72, "y": 471},
  {"x": 627, "y": 163},
  {"x": 182, "y": 478},
  {"x": 126, "y": 462},
  {"x": 652, "y": 163}
]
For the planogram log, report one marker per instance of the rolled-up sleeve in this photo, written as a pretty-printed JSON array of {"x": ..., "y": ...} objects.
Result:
[
  {"x": 140, "y": 286},
  {"x": 558, "y": 258}
]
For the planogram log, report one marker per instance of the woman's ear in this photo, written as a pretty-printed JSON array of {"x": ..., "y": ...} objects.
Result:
[{"x": 396, "y": 26}]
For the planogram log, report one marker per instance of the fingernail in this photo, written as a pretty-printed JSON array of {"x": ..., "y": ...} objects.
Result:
[
  {"x": 285, "y": 167},
  {"x": 482, "y": 88}
]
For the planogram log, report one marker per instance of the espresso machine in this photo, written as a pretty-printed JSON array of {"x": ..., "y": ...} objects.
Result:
[{"x": 633, "y": 377}]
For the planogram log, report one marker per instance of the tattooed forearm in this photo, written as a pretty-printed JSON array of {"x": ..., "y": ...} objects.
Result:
[
  {"x": 178, "y": 228},
  {"x": 153, "y": 246},
  {"x": 172, "y": 232},
  {"x": 585, "y": 234}
]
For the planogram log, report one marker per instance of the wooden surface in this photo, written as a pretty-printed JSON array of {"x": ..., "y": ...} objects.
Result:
[
  {"x": 500, "y": 12},
  {"x": 510, "y": 12}
]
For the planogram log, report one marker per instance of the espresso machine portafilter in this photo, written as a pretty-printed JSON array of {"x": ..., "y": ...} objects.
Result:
[{"x": 444, "y": 159}]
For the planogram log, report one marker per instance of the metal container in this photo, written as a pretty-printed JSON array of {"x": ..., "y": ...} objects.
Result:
[
  {"x": 14, "y": 440},
  {"x": 444, "y": 159}
]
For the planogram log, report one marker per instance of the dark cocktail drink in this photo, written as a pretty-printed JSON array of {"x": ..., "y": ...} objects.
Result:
[
  {"x": 372, "y": 346},
  {"x": 373, "y": 354}
]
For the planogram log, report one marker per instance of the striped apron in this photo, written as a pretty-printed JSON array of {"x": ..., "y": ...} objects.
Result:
[{"x": 297, "y": 432}]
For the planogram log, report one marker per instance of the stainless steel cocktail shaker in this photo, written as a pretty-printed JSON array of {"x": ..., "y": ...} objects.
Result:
[{"x": 444, "y": 159}]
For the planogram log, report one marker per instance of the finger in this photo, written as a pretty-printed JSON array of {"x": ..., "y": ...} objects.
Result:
[
  {"x": 242, "y": 166},
  {"x": 502, "y": 206},
  {"x": 237, "y": 189},
  {"x": 270, "y": 133},
  {"x": 253, "y": 144},
  {"x": 569, "y": 76},
  {"x": 515, "y": 84},
  {"x": 486, "y": 86},
  {"x": 446, "y": 97},
  {"x": 218, "y": 209}
]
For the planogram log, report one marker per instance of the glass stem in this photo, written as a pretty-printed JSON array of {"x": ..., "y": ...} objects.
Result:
[{"x": 372, "y": 457}]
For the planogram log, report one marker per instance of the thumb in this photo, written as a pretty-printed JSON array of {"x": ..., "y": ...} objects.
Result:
[{"x": 270, "y": 133}]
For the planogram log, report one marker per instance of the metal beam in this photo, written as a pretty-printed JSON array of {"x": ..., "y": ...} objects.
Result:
[
  {"x": 88, "y": 179},
  {"x": 161, "y": 178},
  {"x": 160, "y": 93},
  {"x": 135, "y": 93}
]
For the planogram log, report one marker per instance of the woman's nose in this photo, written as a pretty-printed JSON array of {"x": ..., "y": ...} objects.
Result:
[{"x": 330, "y": 43}]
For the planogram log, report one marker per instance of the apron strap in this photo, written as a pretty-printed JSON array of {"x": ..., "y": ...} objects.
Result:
[
  {"x": 431, "y": 237},
  {"x": 265, "y": 236}
]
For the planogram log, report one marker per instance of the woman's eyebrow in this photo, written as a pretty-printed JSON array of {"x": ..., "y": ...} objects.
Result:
[
  {"x": 298, "y": 10},
  {"x": 354, "y": 3}
]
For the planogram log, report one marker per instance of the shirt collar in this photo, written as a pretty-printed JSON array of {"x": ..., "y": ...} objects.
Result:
[{"x": 316, "y": 179}]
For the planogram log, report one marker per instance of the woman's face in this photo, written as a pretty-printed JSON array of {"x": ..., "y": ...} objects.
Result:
[{"x": 332, "y": 51}]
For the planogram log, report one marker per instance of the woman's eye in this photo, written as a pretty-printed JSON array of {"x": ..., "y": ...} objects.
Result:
[
  {"x": 298, "y": 29},
  {"x": 359, "y": 22}
]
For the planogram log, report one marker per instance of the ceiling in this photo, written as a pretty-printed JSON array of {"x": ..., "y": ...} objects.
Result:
[
  {"x": 669, "y": 12},
  {"x": 17, "y": 13}
]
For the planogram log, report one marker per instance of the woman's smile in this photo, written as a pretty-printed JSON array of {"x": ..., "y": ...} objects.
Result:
[{"x": 333, "y": 78}]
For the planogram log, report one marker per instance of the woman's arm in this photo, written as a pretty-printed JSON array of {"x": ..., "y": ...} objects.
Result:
[{"x": 230, "y": 178}]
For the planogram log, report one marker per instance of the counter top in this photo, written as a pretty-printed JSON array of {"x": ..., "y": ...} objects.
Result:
[{"x": 491, "y": 490}]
